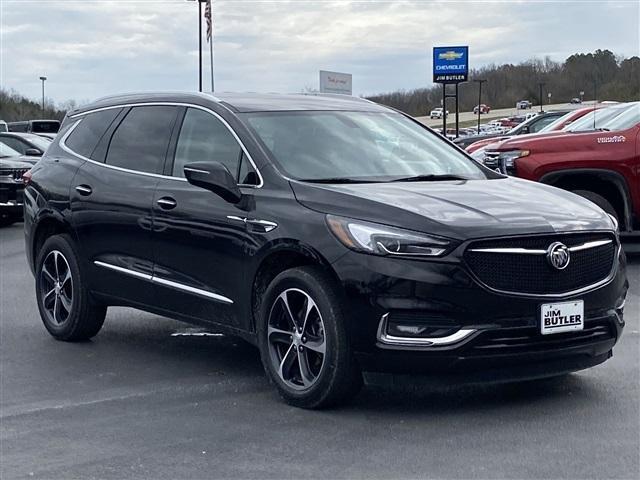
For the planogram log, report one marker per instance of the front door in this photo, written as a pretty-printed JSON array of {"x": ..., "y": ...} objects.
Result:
[{"x": 200, "y": 240}]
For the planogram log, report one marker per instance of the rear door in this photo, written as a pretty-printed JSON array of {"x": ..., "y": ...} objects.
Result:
[{"x": 112, "y": 196}]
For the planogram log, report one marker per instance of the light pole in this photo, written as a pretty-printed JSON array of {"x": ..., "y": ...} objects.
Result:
[
  {"x": 479, "y": 82},
  {"x": 541, "y": 84},
  {"x": 43, "y": 80}
]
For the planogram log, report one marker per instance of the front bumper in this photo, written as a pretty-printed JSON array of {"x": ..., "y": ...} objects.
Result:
[{"x": 485, "y": 333}]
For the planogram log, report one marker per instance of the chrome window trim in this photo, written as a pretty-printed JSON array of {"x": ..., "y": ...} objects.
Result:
[
  {"x": 151, "y": 104},
  {"x": 163, "y": 281},
  {"x": 386, "y": 339},
  {"x": 526, "y": 251}
]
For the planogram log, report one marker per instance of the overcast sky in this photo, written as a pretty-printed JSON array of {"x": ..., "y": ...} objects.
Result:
[{"x": 92, "y": 48}]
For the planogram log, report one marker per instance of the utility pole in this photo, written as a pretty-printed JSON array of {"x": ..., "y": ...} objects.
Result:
[
  {"x": 479, "y": 82},
  {"x": 541, "y": 84},
  {"x": 43, "y": 80}
]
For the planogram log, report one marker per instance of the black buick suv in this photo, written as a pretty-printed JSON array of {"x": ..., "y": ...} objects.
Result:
[{"x": 337, "y": 235}]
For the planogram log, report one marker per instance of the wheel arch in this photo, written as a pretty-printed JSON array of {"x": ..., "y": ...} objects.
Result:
[
  {"x": 607, "y": 183},
  {"x": 277, "y": 258},
  {"x": 48, "y": 225}
]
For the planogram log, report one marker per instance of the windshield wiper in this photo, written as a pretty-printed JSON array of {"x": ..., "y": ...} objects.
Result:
[
  {"x": 430, "y": 178},
  {"x": 337, "y": 180}
]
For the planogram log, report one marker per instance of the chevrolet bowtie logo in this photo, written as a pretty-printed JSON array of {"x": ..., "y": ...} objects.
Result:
[{"x": 450, "y": 55}]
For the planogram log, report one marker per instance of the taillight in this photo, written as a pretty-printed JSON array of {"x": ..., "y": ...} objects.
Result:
[{"x": 26, "y": 178}]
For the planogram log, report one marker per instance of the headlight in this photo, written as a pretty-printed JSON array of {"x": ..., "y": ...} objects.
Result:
[
  {"x": 507, "y": 160},
  {"x": 382, "y": 240},
  {"x": 616, "y": 226}
]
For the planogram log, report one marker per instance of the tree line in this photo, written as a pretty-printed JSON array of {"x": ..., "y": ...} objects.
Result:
[
  {"x": 600, "y": 75},
  {"x": 14, "y": 107}
]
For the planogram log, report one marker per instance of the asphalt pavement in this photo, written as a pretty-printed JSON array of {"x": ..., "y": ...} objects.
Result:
[{"x": 144, "y": 400}]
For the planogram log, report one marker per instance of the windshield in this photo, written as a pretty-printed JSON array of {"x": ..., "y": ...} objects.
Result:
[
  {"x": 38, "y": 141},
  {"x": 557, "y": 122},
  {"x": 601, "y": 115},
  {"x": 627, "y": 119},
  {"x": 364, "y": 146},
  {"x": 45, "y": 126},
  {"x": 6, "y": 151}
]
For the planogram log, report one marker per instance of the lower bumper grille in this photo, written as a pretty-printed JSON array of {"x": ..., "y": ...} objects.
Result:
[{"x": 530, "y": 340}]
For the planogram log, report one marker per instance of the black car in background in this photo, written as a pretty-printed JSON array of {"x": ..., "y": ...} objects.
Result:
[
  {"x": 12, "y": 168},
  {"x": 337, "y": 235},
  {"x": 27, "y": 144},
  {"x": 35, "y": 126},
  {"x": 532, "y": 125}
]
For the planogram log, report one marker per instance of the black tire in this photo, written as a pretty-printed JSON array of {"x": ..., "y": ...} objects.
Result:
[
  {"x": 599, "y": 200},
  {"x": 338, "y": 378},
  {"x": 84, "y": 317}
]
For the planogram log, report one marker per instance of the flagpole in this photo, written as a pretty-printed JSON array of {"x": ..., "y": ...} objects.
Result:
[
  {"x": 200, "y": 45},
  {"x": 211, "y": 55}
]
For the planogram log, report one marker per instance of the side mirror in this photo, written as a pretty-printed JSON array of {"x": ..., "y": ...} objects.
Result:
[
  {"x": 33, "y": 152},
  {"x": 215, "y": 177}
]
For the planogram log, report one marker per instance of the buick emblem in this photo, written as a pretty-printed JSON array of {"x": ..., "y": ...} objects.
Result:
[{"x": 558, "y": 255}]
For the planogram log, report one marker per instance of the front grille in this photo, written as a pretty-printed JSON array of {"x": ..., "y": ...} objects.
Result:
[
  {"x": 15, "y": 173},
  {"x": 531, "y": 274},
  {"x": 490, "y": 160},
  {"x": 530, "y": 340}
]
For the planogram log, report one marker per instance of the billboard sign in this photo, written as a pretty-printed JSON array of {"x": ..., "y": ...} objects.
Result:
[
  {"x": 450, "y": 64},
  {"x": 335, "y": 82}
]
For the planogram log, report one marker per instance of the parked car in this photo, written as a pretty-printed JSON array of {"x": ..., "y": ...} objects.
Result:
[
  {"x": 35, "y": 126},
  {"x": 12, "y": 168},
  {"x": 523, "y": 105},
  {"x": 3, "y": 126},
  {"x": 482, "y": 107},
  {"x": 27, "y": 144},
  {"x": 437, "y": 113},
  {"x": 533, "y": 128},
  {"x": 333, "y": 254},
  {"x": 575, "y": 100},
  {"x": 600, "y": 164},
  {"x": 533, "y": 125}
]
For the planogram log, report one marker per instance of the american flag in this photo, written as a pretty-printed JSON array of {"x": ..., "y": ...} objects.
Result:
[{"x": 207, "y": 16}]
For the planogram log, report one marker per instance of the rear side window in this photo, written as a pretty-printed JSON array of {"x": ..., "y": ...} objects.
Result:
[
  {"x": 87, "y": 134},
  {"x": 140, "y": 142},
  {"x": 204, "y": 138}
]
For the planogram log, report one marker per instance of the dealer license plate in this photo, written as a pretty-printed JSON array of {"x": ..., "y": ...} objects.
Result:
[{"x": 561, "y": 317}]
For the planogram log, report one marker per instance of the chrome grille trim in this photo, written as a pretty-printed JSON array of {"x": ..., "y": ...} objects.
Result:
[{"x": 527, "y": 251}]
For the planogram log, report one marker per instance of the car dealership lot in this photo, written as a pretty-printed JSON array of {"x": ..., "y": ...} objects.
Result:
[{"x": 139, "y": 401}]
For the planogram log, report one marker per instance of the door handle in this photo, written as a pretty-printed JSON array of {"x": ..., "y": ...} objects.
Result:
[
  {"x": 167, "y": 203},
  {"x": 84, "y": 190}
]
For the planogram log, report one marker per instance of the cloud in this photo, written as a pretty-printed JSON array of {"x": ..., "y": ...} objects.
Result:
[{"x": 89, "y": 49}]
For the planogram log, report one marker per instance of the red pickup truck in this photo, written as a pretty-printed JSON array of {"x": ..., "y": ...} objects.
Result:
[{"x": 599, "y": 159}]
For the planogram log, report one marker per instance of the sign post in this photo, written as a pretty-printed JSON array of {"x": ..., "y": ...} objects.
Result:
[{"x": 450, "y": 65}]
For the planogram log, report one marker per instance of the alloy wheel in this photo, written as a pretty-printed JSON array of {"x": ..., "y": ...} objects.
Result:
[
  {"x": 296, "y": 338},
  {"x": 56, "y": 287}
]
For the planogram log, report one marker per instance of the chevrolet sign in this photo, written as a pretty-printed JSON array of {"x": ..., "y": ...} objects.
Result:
[{"x": 450, "y": 64}]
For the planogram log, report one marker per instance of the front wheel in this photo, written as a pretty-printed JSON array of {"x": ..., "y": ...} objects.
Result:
[
  {"x": 66, "y": 307},
  {"x": 302, "y": 339}
]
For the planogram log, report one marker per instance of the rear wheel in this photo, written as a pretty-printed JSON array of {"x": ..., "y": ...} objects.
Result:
[
  {"x": 599, "y": 200},
  {"x": 66, "y": 307},
  {"x": 303, "y": 343}
]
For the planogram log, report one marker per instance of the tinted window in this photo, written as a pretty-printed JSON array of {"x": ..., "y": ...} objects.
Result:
[
  {"x": 87, "y": 134},
  {"x": 540, "y": 124},
  {"x": 45, "y": 126},
  {"x": 140, "y": 141},
  {"x": 14, "y": 143},
  {"x": 204, "y": 138},
  {"x": 248, "y": 175}
]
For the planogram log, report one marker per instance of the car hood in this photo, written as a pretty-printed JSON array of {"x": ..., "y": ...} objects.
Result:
[
  {"x": 15, "y": 162},
  {"x": 458, "y": 209}
]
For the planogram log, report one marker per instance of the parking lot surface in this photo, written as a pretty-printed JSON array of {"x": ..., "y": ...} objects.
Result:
[{"x": 144, "y": 400}]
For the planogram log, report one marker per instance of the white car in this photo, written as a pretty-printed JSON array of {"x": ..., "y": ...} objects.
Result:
[{"x": 437, "y": 113}]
